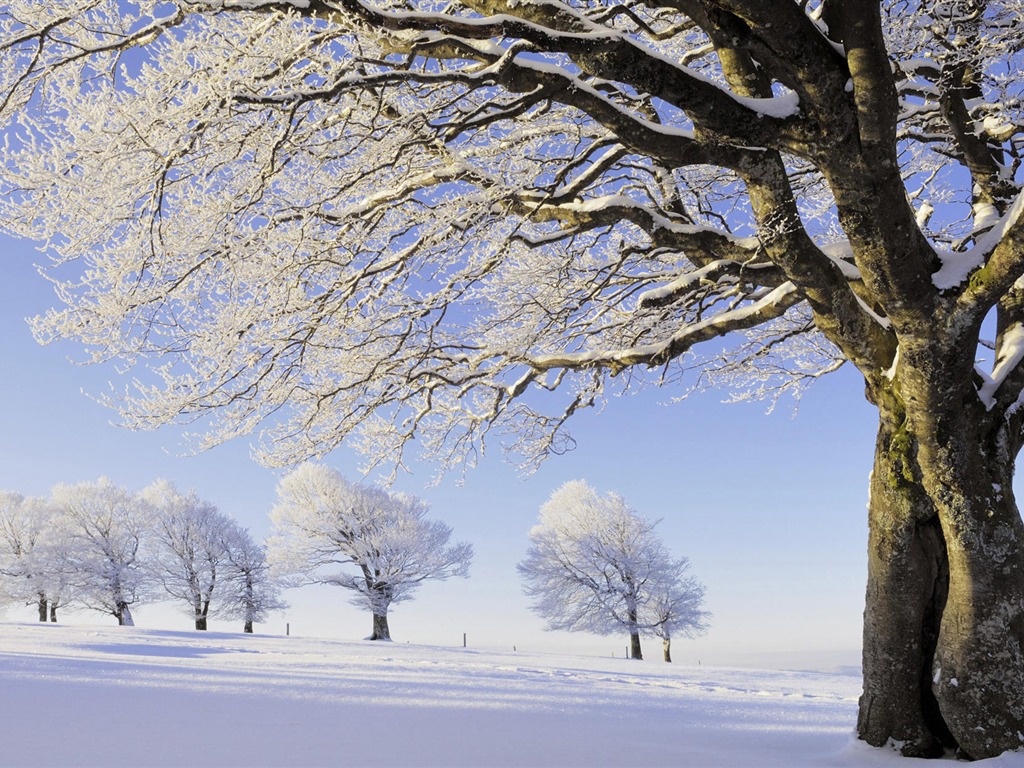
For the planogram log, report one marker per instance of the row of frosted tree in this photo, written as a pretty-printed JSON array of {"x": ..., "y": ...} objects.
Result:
[
  {"x": 103, "y": 547},
  {"x": 594, "y": 564}
]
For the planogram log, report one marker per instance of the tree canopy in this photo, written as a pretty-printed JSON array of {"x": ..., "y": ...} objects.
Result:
[{"x": 376, "y": 221}]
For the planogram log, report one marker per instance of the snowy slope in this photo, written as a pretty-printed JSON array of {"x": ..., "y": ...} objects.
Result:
[{"x": 108, "y": 696}]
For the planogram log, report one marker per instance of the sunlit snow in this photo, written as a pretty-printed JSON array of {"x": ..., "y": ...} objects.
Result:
[{"x": 81, "y": 695}]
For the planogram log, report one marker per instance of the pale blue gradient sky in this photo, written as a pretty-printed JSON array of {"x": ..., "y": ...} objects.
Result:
[{"x": 770, "y": 509}]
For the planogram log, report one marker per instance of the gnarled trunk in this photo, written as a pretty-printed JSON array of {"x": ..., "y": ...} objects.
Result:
[
  {"x": 907, "y": 583},
  {"x": 944, "y": 615}
]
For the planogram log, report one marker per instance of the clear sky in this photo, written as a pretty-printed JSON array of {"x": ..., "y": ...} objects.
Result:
[{"x": 770, "y": 509}]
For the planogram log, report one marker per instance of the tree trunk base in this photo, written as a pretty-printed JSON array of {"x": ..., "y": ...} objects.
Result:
[
  {"x": 635, "y": 652},
  {"x": 381, "y": 631}
]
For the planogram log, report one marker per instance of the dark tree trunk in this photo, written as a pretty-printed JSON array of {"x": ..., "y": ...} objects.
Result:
[
  {"x": 380, "y": 628},
  {"x": 124, "y": 615},
  {"x": 201, "y": 611},
  {"x": 666, "y": 647},
  {"x": 53, "y": 611},
  {"x": 634, "y": 634},
  {"x": 248, "y": 628},
  {"x": 944, "y": 615},
  {"x": 42, "y": 607},
  {"x": 907, "y": 583},
  {"x": 634, "y": 646}
]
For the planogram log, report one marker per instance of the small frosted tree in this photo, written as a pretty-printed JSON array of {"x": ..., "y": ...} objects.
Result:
[
  {"x": 190, "y": 538},
  {"x": 595, "y": 565},
  {"x": 674, "y": 607},
  {"x": 106, "y": 560},
  {"x": 322, "y": 521},
  {"x": 30, "y": 554},
  {"x": 249, "y": 590}
]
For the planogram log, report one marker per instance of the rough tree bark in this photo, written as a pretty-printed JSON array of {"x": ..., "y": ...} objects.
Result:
[
  {"x": 666, "y": 647},
  {"x": 907, "y": 583},
  {"x": 944, "y": 616}
]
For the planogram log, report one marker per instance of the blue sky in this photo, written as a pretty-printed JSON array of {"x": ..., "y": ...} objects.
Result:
[{"x": 770, "y": 509}]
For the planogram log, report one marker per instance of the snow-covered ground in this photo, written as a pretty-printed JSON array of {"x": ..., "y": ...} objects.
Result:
[{"x": 91, "y": 695}]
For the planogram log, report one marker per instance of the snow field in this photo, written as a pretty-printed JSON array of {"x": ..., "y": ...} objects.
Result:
[{"x": 91, "y": 696}]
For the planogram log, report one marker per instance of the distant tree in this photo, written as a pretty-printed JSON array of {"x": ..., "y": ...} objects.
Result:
[
  {"x": 595, "y": 565},
  {"x": 249, "y": 591},
  {"x": 321, "y": 520},
  {"x": 674, "y": 608},
  {"x": 191, "y": 536},
  {"x": 108, "y": 533},
  {"x": 30, "y": 564}
]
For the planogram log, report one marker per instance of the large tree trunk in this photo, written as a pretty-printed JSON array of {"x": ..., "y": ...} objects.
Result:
[
  {"x": 42, "y": 607},
  {"x": 666, "y": 647},
  {"x": 906, "y": 591},
  {"x": 944, "y": 616},
  {"x": 53, "y": 611},
  {"x": 380, "y": 628},
  {"x": 247, "y": 627}
]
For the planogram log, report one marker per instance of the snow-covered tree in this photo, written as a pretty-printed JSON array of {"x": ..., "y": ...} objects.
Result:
[
  {"x": 108, "y": 535},
  {"x": 403, "y": 220},
  {"x": 190, "y": 537},
  {"x": 321, "y": 521},
  {"x": 675, "y": 606},
  {"x": 595, "y": 565},
  {"x": 31, "y": 554},
  {"x": 248, "y": 591}
]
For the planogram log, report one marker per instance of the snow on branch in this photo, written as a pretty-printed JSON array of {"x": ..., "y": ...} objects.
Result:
[{"x": 772, "y": 304}]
